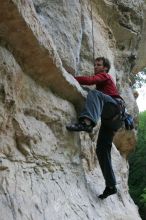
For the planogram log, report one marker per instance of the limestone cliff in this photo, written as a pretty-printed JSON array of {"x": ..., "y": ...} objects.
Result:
[{"x": 47, "y": 173}]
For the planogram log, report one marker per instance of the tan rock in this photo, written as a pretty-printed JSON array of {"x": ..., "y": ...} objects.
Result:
[
  {"x": 125, "y": 141},
  {"x": 47, "y": 172}
]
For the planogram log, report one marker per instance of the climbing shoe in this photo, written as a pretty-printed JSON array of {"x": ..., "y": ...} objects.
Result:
[
  {"x": 82, "y": 126},
  {"x": 108, "y": 191}
]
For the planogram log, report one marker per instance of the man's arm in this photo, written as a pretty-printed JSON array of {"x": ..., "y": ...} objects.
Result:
[{"x": 91, "y": 80}]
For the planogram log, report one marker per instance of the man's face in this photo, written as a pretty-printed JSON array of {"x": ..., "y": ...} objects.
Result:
[{"x": 98, "y": 67}]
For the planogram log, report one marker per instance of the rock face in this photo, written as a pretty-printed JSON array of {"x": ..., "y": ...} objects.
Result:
[{"x": 45, "y": 171}]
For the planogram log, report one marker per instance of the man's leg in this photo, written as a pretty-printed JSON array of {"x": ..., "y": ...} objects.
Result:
[
  {"x": 103, "y": 151},
  {"x": 91, "y": 112},
  {"x": 94, "y": 105}
]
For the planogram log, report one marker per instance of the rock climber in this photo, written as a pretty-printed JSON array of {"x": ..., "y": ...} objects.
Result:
[{"x": 103, "y": 102}]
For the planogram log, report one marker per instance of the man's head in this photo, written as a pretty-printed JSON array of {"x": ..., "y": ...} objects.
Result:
[{"x": 101, "y": 64}]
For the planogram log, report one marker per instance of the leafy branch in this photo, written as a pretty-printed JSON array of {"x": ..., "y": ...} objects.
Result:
[{"x": 139, "y": 79}]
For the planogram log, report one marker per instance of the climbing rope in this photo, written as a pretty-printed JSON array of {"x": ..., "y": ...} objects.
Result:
[{"x": 92, "y": 30}]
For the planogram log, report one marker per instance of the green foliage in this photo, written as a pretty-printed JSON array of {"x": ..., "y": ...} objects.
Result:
[
  {"x": 139, "y": 79},
  {"x": 137, "y": 173},
  {"x": 143, "y": 197}
]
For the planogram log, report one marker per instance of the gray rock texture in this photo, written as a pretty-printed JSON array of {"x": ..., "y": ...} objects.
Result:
[{"x": 46, "y": 172}]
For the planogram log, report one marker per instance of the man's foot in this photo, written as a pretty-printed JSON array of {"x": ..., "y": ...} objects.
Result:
[
  {"x": 108, "y": 191},
  {"x": 82, "y": 126}
]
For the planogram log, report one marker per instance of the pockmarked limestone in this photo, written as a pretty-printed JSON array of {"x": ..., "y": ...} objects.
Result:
[{"x": 47, "y": 172}]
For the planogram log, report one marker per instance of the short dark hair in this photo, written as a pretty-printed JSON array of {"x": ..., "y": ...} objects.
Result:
[{"x": 106, "y": 62}]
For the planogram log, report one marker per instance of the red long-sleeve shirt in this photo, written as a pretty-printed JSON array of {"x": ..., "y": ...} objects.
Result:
[{"x": 103, "y": 82}]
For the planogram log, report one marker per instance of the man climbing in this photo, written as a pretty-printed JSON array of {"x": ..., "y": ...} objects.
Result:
[{"x": 103, "y": 102}]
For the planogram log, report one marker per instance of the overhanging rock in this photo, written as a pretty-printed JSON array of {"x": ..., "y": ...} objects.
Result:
[{"x": 22, "y": 33}]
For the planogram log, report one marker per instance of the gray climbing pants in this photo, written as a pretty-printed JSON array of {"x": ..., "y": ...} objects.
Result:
[{"x": 100, "y": 105}]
